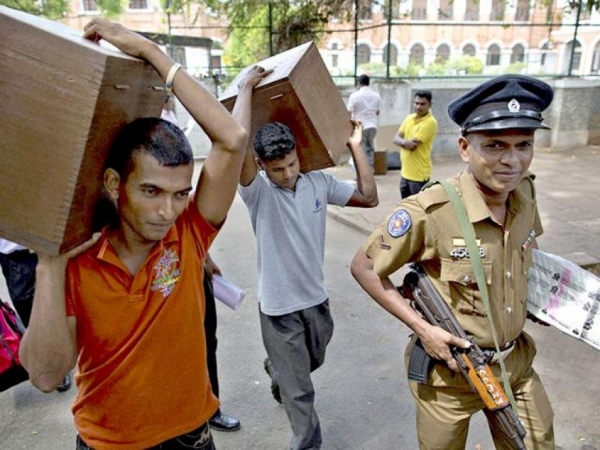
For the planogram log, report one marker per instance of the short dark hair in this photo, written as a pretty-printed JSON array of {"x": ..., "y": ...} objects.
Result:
[
  {"x": 424, "y": 94},
  {"x": 160, "y": 138},
  {"x": 273, "y": 141},
  {"x": 364, "y": 80}
]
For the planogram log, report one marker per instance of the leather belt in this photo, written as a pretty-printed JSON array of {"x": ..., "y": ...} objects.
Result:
[{"x": 493, "y": 356}]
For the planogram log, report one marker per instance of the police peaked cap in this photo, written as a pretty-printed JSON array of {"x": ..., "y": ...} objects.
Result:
[{"x": 507, "y": 101}]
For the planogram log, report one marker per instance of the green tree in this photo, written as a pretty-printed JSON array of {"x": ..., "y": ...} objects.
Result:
[
  {"x": 52, "y": 9},
  {"x": 258, "y": 27},
  {"x": 55, "y": 9}
]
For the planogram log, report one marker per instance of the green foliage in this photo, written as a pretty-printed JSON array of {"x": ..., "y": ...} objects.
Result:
[
  {"x": 55, "y": 9},
  {"x": 469, "y": 65},
  {"x": 52, "y": 9},
  {"x": 372, "y": 69},
  {"x": 411, "y": 70},
  {"x": 111, "y": 8},
  {"x": 437, "y": 68},
  {"x": 288, "y": 22},
  {"x": 516, "y": 67},
  {"x": 247, "y": 45}
]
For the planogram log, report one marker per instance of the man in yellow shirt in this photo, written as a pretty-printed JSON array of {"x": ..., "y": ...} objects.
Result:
[{"x": 415, "y": 138}]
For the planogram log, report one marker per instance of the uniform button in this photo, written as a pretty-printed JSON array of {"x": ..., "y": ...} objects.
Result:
[
  {"x": 467, "y": 279},
  {"x": 508, "y": 274},
  {"x": 508, "y": 310}
]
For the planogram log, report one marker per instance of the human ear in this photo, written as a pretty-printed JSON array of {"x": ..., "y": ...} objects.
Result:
[
  {"x": 112, "y": 180},
  {"x": 463, "y": 148}
]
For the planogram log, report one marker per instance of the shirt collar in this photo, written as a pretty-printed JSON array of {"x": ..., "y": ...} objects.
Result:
[{"x": 107, "y": 252}]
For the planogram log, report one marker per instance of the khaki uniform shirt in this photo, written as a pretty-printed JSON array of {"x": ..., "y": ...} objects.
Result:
[{"x": 424, "y": 229}]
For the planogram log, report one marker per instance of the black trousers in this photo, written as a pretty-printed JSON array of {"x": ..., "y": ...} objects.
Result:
[{"x": 210, "y": 331}]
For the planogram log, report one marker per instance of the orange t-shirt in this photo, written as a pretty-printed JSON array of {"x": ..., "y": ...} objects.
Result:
[{"x": 142, "y": 376}]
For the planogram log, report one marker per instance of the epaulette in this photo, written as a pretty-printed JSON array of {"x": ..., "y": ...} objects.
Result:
[
  {"x": 432, "y": 194},
  {"x": 528, "y": 181}
]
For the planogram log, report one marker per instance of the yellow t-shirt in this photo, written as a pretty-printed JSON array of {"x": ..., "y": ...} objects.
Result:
[{"x": 416, "y": 164}]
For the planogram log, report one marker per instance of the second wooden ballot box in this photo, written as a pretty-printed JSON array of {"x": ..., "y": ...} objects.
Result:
[{"x": 301, "y": 94}]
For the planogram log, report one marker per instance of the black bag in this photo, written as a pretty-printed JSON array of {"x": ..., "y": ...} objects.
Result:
[{"x": 11, "y": 333}]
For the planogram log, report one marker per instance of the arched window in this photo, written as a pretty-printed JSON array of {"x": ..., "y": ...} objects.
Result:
[
  {"x": 469, "y": 50},
  {"x": 518, "y": 54},
  {"x": 445, "y": 10},
  {"x": 363, "y": 54},
  {"x": 545, "y": 48},
  {"x": 419, "y": 10},
  {"x": 472, "y": 10},
  {"x": 393, "y": 54},
  {"x": 576, "y": 55},
  {"x": 522, "y": 12},
  {"x": 493, "y": 57},
  {"x": 497, "y": 11},
  {"x": 442, "y": 54},
  {"x": 417, "y": 54}
]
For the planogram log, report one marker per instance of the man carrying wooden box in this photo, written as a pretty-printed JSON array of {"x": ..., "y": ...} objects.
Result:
[{"x": 125, "y": 305}]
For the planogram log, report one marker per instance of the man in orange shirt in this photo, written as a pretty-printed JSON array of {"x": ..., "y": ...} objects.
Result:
[{"x": 128, "y": 306}]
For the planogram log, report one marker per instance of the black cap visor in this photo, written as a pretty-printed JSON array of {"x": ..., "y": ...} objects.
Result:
[{"x": 508, "y": 123}]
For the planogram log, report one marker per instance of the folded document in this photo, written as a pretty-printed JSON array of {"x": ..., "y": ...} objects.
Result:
[
  {"x": 227, "y": 292},
  {"x": 566, "y": 296}
]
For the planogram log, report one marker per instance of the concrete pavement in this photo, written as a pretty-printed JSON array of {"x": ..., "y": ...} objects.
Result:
[{"x": 568, "y": 196}]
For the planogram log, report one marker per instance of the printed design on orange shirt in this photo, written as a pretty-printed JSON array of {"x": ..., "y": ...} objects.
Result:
[{"x": 167, "y": 273}]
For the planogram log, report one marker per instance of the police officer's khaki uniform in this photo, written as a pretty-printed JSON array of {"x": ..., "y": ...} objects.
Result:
[{"x": 424, "y": 228}]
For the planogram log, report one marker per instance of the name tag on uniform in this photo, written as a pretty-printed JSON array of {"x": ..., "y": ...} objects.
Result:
[{"x": 459, "y": 242}]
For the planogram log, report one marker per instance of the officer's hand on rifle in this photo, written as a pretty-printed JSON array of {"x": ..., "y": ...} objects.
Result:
[{"x": 437, "y": 342}]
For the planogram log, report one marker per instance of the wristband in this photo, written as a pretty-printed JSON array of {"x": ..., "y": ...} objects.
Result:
[{"x": 169, "y": 82}]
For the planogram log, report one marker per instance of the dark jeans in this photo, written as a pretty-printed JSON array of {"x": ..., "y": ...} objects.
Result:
[
  {"x": 199, "y": 439},
  {"x": 408, "y": 187}
]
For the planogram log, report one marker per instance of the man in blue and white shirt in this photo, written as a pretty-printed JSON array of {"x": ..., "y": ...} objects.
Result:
[{"x": 288, "y": 211}]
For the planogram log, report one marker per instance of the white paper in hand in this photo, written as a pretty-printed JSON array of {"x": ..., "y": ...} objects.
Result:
[
  {"x": 565, "y": 296},
  {"x": 227, "y": 292}
]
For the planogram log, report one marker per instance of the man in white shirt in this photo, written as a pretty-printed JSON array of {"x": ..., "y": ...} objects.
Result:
[{"x": 364, "y": 105}]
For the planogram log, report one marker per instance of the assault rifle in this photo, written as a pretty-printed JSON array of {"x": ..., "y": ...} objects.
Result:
[{"x": 472, "y": 361}]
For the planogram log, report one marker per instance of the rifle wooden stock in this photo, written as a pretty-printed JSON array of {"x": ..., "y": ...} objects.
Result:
[
  {"x": 486, "y": 384},
  {"x": 472, "y": 362}
]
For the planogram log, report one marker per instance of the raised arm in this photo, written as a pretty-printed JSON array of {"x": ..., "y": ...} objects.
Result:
[
  {"x": 242, "y": 112},
  {"x": 365, "y": 194},
  {"x": 218, "y": 180},
  {"x": 48, "y": 350}
]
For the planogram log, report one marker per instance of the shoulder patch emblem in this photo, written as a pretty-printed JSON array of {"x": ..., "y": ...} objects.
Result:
[{"x": 399, "y": 223}]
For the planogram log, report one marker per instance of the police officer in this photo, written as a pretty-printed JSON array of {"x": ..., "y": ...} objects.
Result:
[{"x": 498, "y": 120}]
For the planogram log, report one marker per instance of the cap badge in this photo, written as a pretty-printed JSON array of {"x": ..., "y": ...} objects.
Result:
[{"x": 514, "y": 106}]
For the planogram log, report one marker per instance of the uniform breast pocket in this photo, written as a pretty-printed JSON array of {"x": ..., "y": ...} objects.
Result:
[{"x": 462, "y": 285}]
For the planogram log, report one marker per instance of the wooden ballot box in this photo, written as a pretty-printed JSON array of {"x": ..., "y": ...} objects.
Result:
[
  {"x": 64, "y": 98},
  {"x": 300, "y": 94}
]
